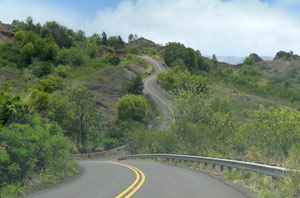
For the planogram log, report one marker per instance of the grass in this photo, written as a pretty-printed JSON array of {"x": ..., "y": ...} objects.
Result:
[{"x": 37, "y": 181}]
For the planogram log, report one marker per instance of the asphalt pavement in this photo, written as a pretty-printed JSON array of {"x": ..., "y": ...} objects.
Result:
[
  {"x": 106, "y": 180},
  {"x": 160, "y": 99}
]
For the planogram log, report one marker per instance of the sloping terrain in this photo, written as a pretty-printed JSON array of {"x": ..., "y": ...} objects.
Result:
[
  {"x": 106, "y": 86},
  {"x": 5, "y": 33}
]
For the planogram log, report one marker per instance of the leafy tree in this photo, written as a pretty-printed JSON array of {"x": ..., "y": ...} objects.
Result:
[
  {"x": 134, "y": 50},
  {"x": 91, "y": 50},
  {"x": 95, "y": 38},
  {"x": 116, "y": 42},
  {"x": 104, "y": 39},
  {"x": 28, "y": 45},
  {"x": 62, "y": 35},
  {"x": 130, "y": 38},
  {"x": 175, "y": 80},
  {"x": 28, "y": 52},
  {"x": 214, "y": 61},
  {"x": 30, "y": 148},
  {"x": 135, "y": 86},
  {"x": 60, "y": 110},
  {"x": 62, "y": 71},
  {"x": 132, "y": 107},
  {"x": 73, "y": 56},
  {"x": 114, "y": 60},
  {"x": 250, "y": 60},
  {"x": 190, "y": 58},
  {"x": 173, "y": 52},
  {"x": 9, "y": 107},
  {"x": 84, "y": 112},
  {"x": 43, "y": 69},
  {"x": 272, "y": 132},
  {"x": 79, "y": 36}
]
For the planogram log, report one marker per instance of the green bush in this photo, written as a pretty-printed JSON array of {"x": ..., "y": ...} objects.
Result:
[
  {"x": 28, "y": 148},
  {"x": 114, "y": 60},
  {"x": 135, "y": 86},
  {"x": 132, "y": 107},
  {"x": 9, "y": 107}
]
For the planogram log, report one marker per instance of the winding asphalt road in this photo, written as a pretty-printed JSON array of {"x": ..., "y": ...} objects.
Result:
[
  {"x": 104, "y": 179},
  {"x": 161, "y": 101},
  {"x": 110, "y": 178}
]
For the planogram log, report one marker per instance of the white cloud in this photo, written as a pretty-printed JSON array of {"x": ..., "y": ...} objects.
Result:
[
  {"x": 232, "y": 27},
  {"x": 16, "y": 9}
]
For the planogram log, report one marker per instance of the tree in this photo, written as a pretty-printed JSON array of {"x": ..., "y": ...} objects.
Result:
[
  {"x": 9, "y": 107},
  {"x": 63, "y": 36},
  {"x": 173, "y": 52},
  {"x": 80, "y": 35},
  {"x": 132, "y": 107},
  {"x": 130, "y": 38},
  {"x": 95, "y": 38},
  {"x": 250, "y": 60},
  {"x": 91, "y": 50},
  {"x": 114, "y": 60},
  {"x": 190, "y": 58},
  {"x": 84, "y": 111},
  {"x": 116, "y": 42},
  {"x": 104, "y": 38},
  {"x": 214, "y": 61},
  {"x": 136, "y": 86}
]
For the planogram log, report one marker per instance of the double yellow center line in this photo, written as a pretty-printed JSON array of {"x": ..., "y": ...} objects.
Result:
[
  {"x": 136, "y": 185},
  {"x": 159, "y": 98}
]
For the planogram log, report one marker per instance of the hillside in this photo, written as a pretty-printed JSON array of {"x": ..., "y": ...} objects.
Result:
[
  {"x": 71, "y": 93},
  {"x": 62, "y": 90},
  {"x": 5, "y": 33}
]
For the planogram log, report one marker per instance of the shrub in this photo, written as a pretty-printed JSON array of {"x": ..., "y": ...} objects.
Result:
[{"x": 132, "y": 107}]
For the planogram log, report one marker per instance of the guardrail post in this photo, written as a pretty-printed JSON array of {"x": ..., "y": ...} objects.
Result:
[
  {"x": 221, "y": 168},
  {"x": 229, "y": 169},
  {"x": 213, "y": 166}
]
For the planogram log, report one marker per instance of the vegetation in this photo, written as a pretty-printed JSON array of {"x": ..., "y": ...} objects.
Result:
[
  {"x": 47, "y": 111},
  {"x": 209, "y": 124},
  {"x": 132, "y": 107}
]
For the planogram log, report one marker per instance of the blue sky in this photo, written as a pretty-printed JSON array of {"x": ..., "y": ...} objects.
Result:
[
  {"x": 223, "y": 27},
  {"x": 86, "y": 8}
]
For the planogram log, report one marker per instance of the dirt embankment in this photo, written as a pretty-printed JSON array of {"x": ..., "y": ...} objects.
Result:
[
  {"x": 5, "y": 33},
  {"x": 107, "y": 88}
]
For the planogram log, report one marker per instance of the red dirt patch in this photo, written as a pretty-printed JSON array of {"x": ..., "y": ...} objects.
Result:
[{"x": 5, "y": 33}]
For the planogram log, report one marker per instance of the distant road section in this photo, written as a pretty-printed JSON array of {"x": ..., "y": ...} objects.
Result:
[{"x": 158, "y": 97}]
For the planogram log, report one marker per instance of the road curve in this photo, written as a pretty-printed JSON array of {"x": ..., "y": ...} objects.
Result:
[
  {"x": 106, "y": 180},
  {"x": 158, "y": 98},
  {"x": 109, "y": 178}
]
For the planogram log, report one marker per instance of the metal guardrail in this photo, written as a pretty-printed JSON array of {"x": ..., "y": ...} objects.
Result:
[
  {"x": 163, "y": 91},
  {"x": 259, "y": 168},
  {"x": 92, "y": 155}
]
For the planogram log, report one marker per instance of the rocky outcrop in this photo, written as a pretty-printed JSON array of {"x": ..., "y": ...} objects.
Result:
[
  {"x": 256, "y": 57},
  {"x": 286, "y": 56},
  {"x": 5, "y": 33}
]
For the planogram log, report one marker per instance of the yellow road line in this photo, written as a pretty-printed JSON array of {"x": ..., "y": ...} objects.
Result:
[
  {"x": 158, "y": 67},
  {"x": 137, "y": 173},
  {"x": 159, "y": 98},
  {"x": 139, "y": 185}
]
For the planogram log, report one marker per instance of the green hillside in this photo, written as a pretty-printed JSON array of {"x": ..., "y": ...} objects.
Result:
[
  {"x": 63, "y": 92},
  {"x": 59, "y": 95}
]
